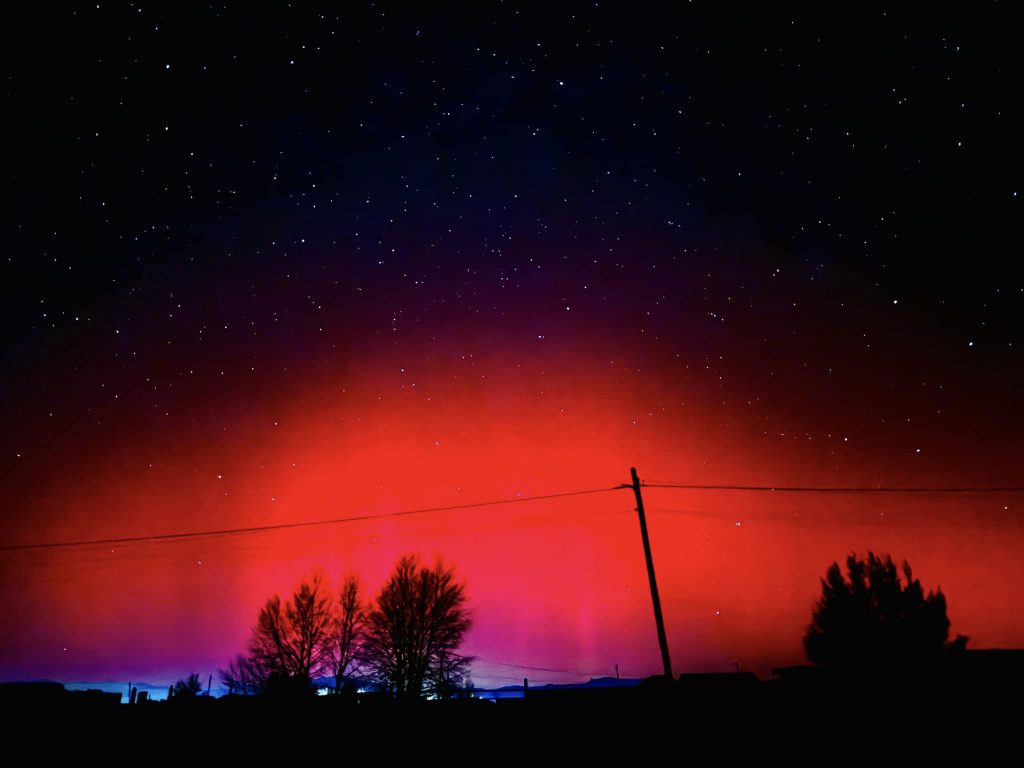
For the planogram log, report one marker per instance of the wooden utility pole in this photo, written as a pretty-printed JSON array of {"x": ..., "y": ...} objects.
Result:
[{"x": 650, "y": 576}]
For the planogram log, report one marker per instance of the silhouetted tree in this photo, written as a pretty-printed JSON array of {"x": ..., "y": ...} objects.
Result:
[
  {"x": 873, "y": 622},
  {"x": 243, "y": 676},
  {"x": 190, "y": 687},
  {"x": 415, "y": 629},
  {"x": 348, "y": 632},
  {"x": 291, "y": 641},
  {"x": 449, "y": 675}
]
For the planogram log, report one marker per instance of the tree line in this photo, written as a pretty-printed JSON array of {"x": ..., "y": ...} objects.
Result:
[{"x": 405, "y": 641}]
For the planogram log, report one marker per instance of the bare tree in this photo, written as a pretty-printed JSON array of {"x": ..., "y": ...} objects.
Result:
[
  {"x": 449, "y": 675},
  {"x": 291, "y": 641},
  {"x": 413, "y": 633},
  {"x": 349, "y": 630},
  {"x": 310, "y": 614},
  {"x": 243, "y": 676}
]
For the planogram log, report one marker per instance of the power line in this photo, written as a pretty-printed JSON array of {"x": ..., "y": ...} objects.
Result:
[
  {"x": 282, "y": 526},
  {"x": 495, "y": 502},
  {"x": 538, "y": 669},
  {"x": 829, "y": 489}
]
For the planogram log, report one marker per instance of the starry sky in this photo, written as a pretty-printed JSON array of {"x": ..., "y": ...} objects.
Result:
[{"x": 268, "y": 265}]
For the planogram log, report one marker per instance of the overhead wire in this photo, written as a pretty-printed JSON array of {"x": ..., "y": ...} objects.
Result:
[
  {"x": 284, "y": 526},
  {"x": 121, "y": 540},
  {"x": 833, "y": 489}
]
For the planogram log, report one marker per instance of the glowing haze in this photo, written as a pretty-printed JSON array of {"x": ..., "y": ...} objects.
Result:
[{"x": 557, "y": 583}]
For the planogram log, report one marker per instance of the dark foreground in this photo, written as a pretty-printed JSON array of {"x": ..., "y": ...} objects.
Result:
[{"x": 813, "y": 719}]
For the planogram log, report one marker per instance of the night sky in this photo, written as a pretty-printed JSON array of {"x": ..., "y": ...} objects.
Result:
[{"x": 269, "y": 265}]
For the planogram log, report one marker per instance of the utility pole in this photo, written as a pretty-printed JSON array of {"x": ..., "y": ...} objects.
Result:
[{"x": 650, "y": 576}]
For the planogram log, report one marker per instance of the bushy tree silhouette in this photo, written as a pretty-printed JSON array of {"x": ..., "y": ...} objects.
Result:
[
  {"x": 872, "y": 622},
  {"x": 189, "y": 687},
  {"x": 414, "y": 631}
]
